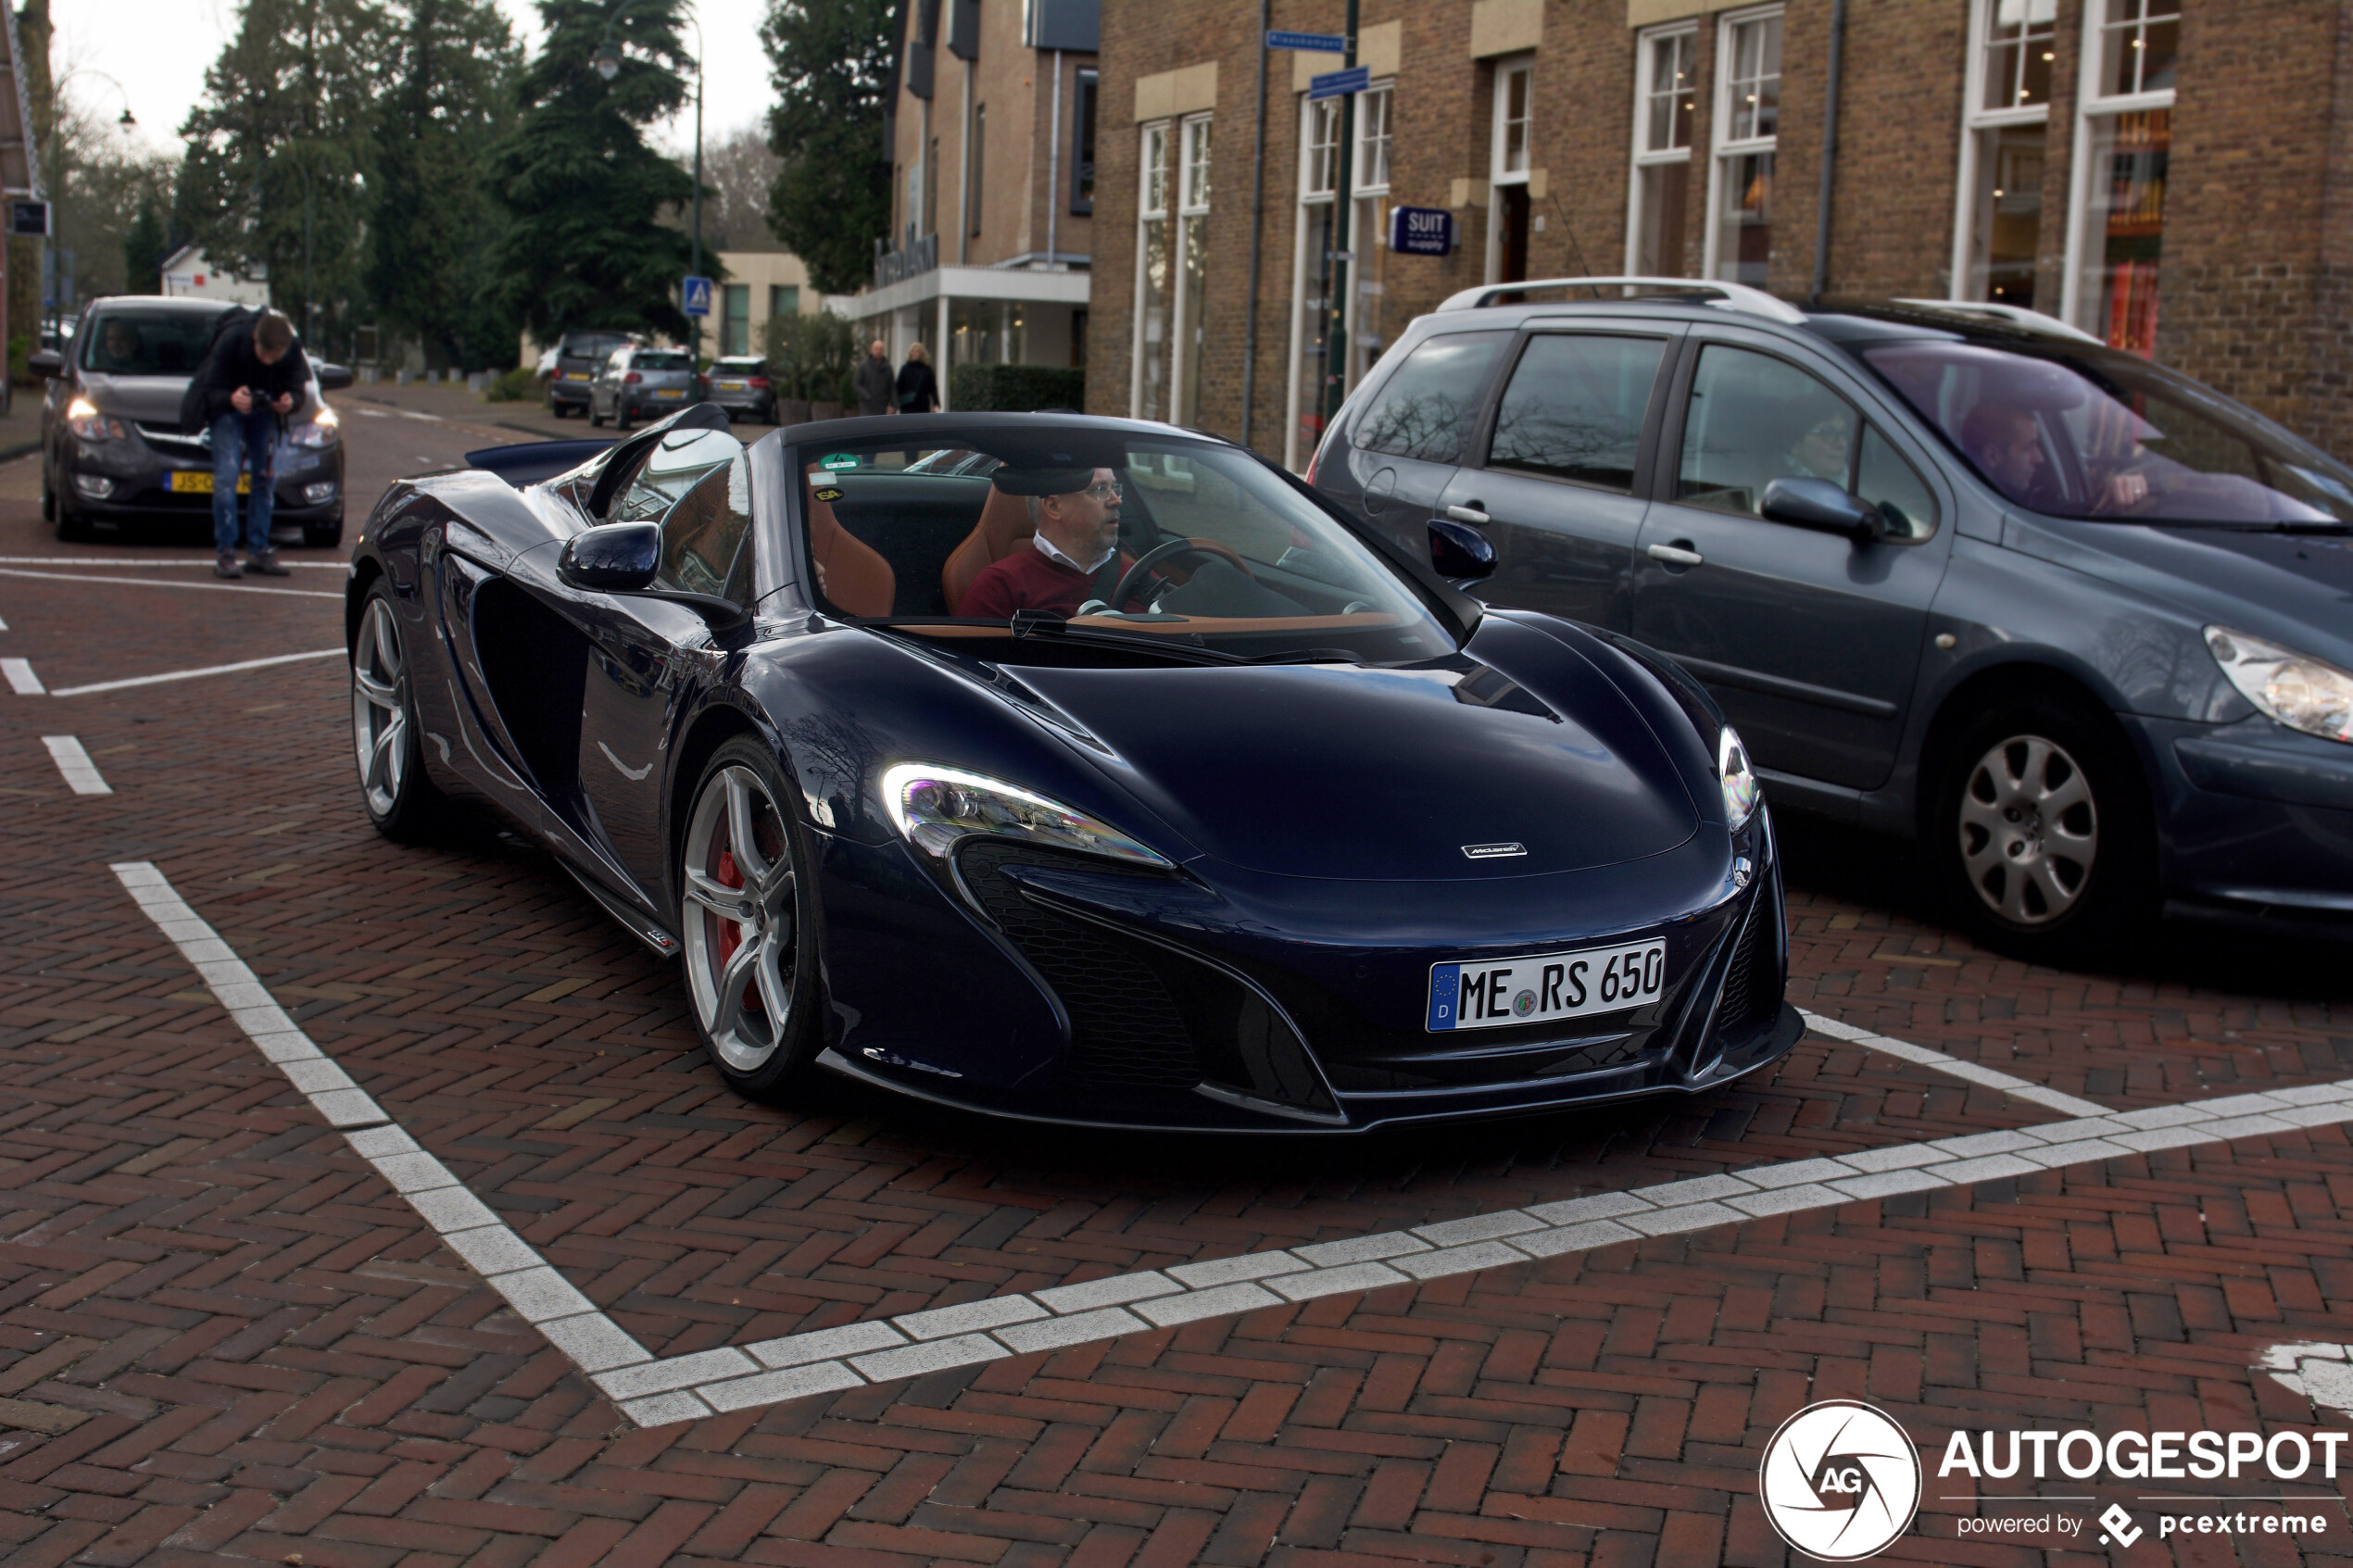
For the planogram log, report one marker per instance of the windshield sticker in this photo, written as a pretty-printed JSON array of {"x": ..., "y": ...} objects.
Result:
[
  {"x": 828, "y": 494},
  {"x": 838, "y": 460}
]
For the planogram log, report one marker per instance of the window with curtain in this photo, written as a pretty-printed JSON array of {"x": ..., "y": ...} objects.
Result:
[
  {"x": 1748, "y": 111},
  {"x": 735, "y": 319}
]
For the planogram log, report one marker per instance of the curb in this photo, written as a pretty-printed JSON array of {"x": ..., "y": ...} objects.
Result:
[{"x": 21, "y": 450}]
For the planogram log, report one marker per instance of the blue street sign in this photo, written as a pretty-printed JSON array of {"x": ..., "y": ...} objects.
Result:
[
  {"x": 1310, "y": 43},
  {"x": 1333, "y": 84},
  {"x": 695, "y": 298},
  {"x": 1421, "y": 231}
]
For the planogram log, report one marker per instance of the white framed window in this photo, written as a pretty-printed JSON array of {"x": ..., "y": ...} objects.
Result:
[
  {"x": 1509, "y": 158},
  {"x": 1747, "y": 121},
  {"x": 1997, "y": 221},
  {"x": 1658, "y": 193},
  {"x": 2123, "y": 158},
  {"x": 1192, "y": 260},
  {"x": 1313, "y": 255},
  {"x": 1148, "y": 387}
]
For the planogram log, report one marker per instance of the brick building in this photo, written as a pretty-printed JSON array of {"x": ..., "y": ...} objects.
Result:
[
  {"x": 2021, "y": 151},
  {"x": 991, "y": 136}
]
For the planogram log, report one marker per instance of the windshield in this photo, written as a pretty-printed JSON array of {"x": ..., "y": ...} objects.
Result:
[
  {"x": 743, "y": 367},
  {"x": 2089, "y": 432},
  {"x": 1199, "y": 548},
  {"x": 662, "y": 361},
  {"x": 148, "y": 342},
  {"x": 590, "y": 345}
]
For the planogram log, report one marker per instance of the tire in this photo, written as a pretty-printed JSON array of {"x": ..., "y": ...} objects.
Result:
[
  {"x": 404, "y": 803},
  {"x": 324, "y": 535},
  {"x": 2042, "y": 831},
  {"x": 595, "y": 419},
  {"x": 48, "y": 497},
  {"x": 72, "y": 527},
  {"x": 619, "y": 418},
  {"x": 735, "y": 1000}
]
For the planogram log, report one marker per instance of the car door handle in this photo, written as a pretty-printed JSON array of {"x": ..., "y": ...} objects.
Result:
[
  {"x": 1675, "y": 555},
  {"x": 1469, "y": 514}
]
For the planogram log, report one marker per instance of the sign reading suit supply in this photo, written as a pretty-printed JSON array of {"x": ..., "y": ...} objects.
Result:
[{"x": 1421, "y": 231}]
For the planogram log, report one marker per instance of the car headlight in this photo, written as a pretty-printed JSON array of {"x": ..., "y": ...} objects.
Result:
[
  {"x": 2303, "y": 693},
  {"x": 316, "y": 431},
  {"x": 84, "y": 420},
  {"x": 1738, "y": 779},
  {"x": 935, "y": 807}
]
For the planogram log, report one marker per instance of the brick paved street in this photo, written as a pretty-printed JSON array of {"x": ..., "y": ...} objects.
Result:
[{"x": 225, "y": 1337}]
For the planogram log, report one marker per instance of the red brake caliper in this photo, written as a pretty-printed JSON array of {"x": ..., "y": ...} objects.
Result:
[{"x": 731, "y": 932}]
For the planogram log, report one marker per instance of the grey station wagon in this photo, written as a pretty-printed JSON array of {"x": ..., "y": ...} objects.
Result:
[{"x": 1954, "y": 571}]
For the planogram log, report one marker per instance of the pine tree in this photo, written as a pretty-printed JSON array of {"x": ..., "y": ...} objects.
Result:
[
  {"x": 433, "y": 236},
  {"x": 831, "y": 200},
  {"x": 584, "y": 246}
]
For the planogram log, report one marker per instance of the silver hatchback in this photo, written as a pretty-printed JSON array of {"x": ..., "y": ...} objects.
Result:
[
  {"x": 741, "y": 385},
  {"x": 643, "y": 383}
]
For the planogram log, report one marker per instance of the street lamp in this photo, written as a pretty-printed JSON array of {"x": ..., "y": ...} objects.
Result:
[
  {"x": 128, "y": 118},
  {"x": 607, "y": 59}
]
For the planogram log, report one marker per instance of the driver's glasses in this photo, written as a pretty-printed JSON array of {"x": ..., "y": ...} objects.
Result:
[{"x": 1107, "y": 492}]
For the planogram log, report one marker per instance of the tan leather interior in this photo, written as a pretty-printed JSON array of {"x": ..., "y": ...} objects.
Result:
[
  {"x": 1004, "y": 527},
  {"x": 852, "y": 575}
]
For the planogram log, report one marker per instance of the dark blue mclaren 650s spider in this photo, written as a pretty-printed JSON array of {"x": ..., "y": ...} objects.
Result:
[{"x": 1077, "y": 770}]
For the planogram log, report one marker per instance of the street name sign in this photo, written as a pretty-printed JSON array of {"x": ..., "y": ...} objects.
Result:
[
  {"x": 1308, "y": 42},
  {"x": 1332, "y": 85}
]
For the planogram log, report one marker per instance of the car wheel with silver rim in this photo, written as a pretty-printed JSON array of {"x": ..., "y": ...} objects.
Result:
[
  {"x": 2043, "y": 825},
  {"x": 402, "y": 802},
  {"x": 749, "y": 944}
]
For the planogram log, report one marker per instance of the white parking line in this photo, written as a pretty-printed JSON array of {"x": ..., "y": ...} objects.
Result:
[
  {"x": 75, "y": 764},
  {"x": 4, "y": 625},
  {"x": 187, "y": 674},
  {"x": 2018, "y": 1088},
  {"x": 135, "y": 562},
  {"x": 654, "y": 1392},
  {"x": 21, "y": 679},
  {"x": 160, "y": 582}
]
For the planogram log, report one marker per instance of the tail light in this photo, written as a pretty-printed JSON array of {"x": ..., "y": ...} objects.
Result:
[
  {"x": 632, "y": 379},
  {"x": 759, "y": 383}
]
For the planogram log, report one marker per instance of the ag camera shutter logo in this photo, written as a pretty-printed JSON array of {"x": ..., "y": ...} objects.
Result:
[{"x": 1841, "y": 1481}]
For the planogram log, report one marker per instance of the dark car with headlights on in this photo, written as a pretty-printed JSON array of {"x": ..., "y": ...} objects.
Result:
[
  {"x": 636, "y": 383},
  {"x": 111, "y": 445},
  {"x": 1955, "y": 571},
  {"x": 741, "y": 384},
  {"x": 580, "y": 355},
  {"x": 1274, "y": 831}
]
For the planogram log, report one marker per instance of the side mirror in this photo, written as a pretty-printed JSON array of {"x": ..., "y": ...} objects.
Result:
[
  {"x": 332, "y": 378},
  {"x": 1824, "y": 507},
  {"x": 1458, "y": 552},
  {"x": 620, "y": 557},
  {"x": 47, "y": 362}
]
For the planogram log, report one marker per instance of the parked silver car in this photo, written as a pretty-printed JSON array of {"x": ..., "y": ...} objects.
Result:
[
  {"x": 741, "y": 386},
  {"x": 644, "y": 383}
]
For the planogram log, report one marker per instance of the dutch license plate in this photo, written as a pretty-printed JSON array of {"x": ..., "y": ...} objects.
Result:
[
  {"x": 669, "y": 392},
  {"x": 196, "y": 482},
  {"x": 1497, "y": 992},
  {"x": 578, "y": 375},
  {"x": 731, "y": 386}
]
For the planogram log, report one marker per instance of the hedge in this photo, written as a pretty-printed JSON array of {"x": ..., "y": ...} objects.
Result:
[{"x": 1015, "y": 389}]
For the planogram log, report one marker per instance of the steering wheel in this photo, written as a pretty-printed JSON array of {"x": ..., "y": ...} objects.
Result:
[{"x": 1133, "y": 578}]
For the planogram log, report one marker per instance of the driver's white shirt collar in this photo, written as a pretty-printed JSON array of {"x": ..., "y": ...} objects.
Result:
[{"x": 1046, "y": 548}]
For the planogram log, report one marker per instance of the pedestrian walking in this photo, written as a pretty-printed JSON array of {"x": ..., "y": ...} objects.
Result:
[
  {"x": 873, "y": 384},
  {"x": 918, "y": 388},
  {"x": 251, "y": 381}
]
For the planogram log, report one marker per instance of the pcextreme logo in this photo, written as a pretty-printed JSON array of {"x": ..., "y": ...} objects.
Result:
[{"x": 1841, "y": 1481}]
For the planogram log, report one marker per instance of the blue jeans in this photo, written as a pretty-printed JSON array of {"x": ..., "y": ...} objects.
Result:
[{"x": 241, "y": 442}]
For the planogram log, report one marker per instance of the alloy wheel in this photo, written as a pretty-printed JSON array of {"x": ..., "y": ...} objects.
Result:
[
  {"x": 741, "y": 917},
  {"x": 380, "y": 709},
  {"x": 2029, "y": 830}
]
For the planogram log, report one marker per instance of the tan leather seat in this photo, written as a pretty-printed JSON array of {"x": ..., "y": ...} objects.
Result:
[
  {"x": 1004, "y": 527},
  {"x": 853, "y": 575}
]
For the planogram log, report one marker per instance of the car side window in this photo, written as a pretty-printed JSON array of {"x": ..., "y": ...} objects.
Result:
[
  {"x": 1574, "y": 406},
  {"x": 1426, "y": 410},
  {"x": 703, "y": 533},
  {"x": 1753, "y": 419},
  {"x": 1886, "y": 481}
]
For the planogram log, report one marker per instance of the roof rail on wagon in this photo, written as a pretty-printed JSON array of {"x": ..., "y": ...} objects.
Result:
[{"x": 1725, "y": 297}]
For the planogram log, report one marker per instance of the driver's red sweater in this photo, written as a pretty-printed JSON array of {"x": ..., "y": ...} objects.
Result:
[{"x": 1027, "y": 580}]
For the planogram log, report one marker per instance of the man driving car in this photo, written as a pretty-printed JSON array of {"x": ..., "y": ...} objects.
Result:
[
  {"x": 1075, "y": 556},
  {"x": 2007, "y": 445}
]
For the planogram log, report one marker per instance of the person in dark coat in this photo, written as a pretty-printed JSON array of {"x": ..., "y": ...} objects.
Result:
[
  {"x": 873, "y": 382},
  {"x": 253, "y": 378},
  {"x": 918, "y": 388}
]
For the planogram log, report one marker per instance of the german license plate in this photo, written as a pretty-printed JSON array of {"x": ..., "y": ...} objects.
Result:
[
  {"x": 669, "y": 392},
  {"x": 1494, "y": 993},
  {"x": 193, "y": 482}
]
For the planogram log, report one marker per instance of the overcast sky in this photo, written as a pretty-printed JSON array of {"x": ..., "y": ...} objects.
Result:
[{"x": 160, "y": 49}]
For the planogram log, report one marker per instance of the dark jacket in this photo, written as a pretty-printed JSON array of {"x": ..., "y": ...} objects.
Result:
[
  {"x": 918, "y": 388},
  {"x": 232, "y": 364},
  {"x": 874, "y": 385}
]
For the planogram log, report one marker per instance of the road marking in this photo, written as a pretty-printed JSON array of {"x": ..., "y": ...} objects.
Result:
[
  {"x": 132, "y": 561},
  {"x": 2323, "y": 1372},
  {"x": 21, "y": 679},
  {"x": 4, "y": 625},
  {"x": 75, "y": 764},
  {"x": 158, "y": 582},
  {"x": 1991, "y": 1078},
  {"x": 180, "y": 674},
  {"x": 656, "y": 1391}
]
